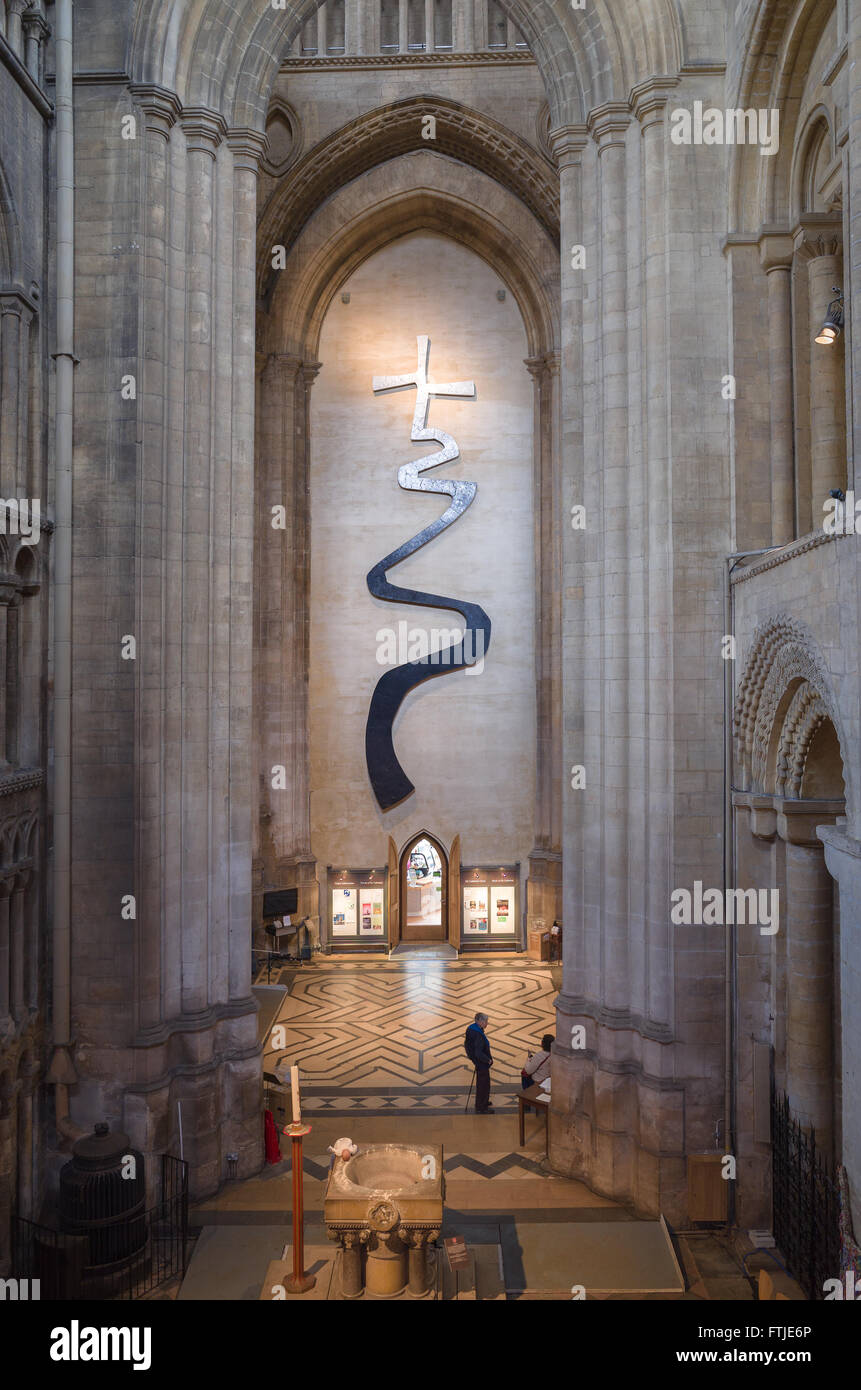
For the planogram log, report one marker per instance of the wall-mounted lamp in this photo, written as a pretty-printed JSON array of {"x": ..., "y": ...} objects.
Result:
[{"x": 830, "y": 330}]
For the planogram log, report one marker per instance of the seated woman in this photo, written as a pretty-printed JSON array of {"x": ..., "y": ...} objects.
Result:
[{"x": 537, "y": 1067}]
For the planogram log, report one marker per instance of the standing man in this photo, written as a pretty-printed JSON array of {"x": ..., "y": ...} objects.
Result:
[{"x": 478, "y": 1052}]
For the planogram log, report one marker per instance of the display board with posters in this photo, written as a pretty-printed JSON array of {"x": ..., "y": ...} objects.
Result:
[
  {"x": 475, "y": 910},
  {"x": 489, "y": 911},
  {"x": 357, "y": 908},
  {"x": 371, "y": 911}
]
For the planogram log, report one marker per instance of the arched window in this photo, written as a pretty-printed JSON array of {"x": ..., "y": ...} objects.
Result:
[
  {"x": 389, "y": 40},
  {"x": 442, "y": 30},
  {"x": 416, "y": 26},
  {"x": 309, "y": 36},
  {"x": 497, "y": 26},
  {"x": 335, "y": 31}
]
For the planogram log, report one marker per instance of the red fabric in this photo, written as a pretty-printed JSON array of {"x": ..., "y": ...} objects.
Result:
[{"x": 273, "y": 1148}]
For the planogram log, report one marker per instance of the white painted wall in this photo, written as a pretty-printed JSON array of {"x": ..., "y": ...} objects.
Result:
[{"x": 466, "y": 741}]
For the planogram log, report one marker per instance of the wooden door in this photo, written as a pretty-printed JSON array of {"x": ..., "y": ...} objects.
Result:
[
  {"x": 454, "y": 894},
  {"x": 393, "y": 887},
  {"x": 424, "y": 899}
]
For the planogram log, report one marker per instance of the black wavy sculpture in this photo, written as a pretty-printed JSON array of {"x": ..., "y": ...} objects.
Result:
[{"x": 388, "y": 779}]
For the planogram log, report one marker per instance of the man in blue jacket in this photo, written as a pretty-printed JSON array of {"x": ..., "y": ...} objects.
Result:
[{"x": 478, "y": 1052}]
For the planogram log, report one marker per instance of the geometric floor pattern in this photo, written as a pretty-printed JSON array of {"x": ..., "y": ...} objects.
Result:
[{"x": 388, "y": 1035}]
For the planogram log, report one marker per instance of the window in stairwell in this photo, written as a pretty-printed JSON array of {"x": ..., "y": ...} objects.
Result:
[
  {"x": 388, "y": 26},
  {"x": 335, "y": 26},
  {"x": 309, "y": 36},
  {"x": 416, "y": 26},
  {"x": 497, "y": 26},
  {"x": 442, "y": 30}
]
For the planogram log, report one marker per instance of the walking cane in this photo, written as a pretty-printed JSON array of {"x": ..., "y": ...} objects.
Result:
[{"x": 468, "y": 1094}]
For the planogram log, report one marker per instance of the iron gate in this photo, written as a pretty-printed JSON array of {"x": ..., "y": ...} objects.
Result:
[
  {"x": 58, "y": 1260},
  {"x": 805, "y": 1202}
]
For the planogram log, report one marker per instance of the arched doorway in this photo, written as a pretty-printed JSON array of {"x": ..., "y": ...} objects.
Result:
[{"x": 424, "y": 890}]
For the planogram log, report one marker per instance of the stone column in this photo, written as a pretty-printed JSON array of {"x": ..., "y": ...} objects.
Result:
[
  {"x": 651, "y": 618},
  {"x": 776, "y": 260},
  {"x": 403, "y": 26},
  {"x": 606, "y": 763},
  {"x": 154, "y": 574},
  {"x": 36, "y": 32},
  {"x": 570, "y": 1067},
  {"x": 17, "y": 944},
  {"x": 25, "y": 1146},
  {"x": 430, "y": 36},
  {"x": 322, "y": 43},
  {"x": 352, "y": 1282},
  {"x": 545, "y": 863},
  {"x": 204, "y": 131},
  {"x": 11, "y": 384},
  {"x": 247, "y": 147},
  {"x": 418, "y": 1262},
  {"x": 14, "y": 31},
  {"x": 5, "y": 951},
  {"x": 827, "y": 383},
  {"x": 756, "y": 867},
  {"x": 808, "y": 915}
]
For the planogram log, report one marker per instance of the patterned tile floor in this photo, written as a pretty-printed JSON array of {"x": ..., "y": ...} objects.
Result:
[{"x": 378, "y": 1036}]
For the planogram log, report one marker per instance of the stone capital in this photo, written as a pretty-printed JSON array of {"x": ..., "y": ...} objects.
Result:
[
  {"x": 775, "y": 250},
  {"x": 818, "y": 234},
  {"x": 607, "y": 124},
  {"x": 248, "y": 147},
  {"x": 539, "y": 368},
  {"x": 35, "y": 25},
  {"x": 309, "y": 372},
  {"x": 648, "y": 99},
  {"x": 162, "y": 107},
  {"x": 19, "y": 304},
  {"x": 204, "y": 129},
  {"x": 568, "y": 143}
]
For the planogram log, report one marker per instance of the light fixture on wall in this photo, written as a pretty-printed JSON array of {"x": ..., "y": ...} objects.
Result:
[{"x": 830, "y": 330}]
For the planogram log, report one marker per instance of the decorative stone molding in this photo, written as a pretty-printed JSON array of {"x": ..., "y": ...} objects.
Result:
[
  {"x": 608, "y": 123},
  {"x": 162, "y": 107},
  {"x": 783, "y": 657},
  {"x": 204, "y": 129},
  {"x": 480, "y": 58},
  {"x": 567, "y": 144},
  {"x": 394, "y": 130},
  {"x": 818, "y": 234},
  {"x": 648, "y": 99},
  {"x": 12, "y": 782},
  {"x": 281, "y": 112}
]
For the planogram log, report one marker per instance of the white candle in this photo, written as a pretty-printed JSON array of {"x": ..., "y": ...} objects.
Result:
[{"x": 294, "y": 1082}]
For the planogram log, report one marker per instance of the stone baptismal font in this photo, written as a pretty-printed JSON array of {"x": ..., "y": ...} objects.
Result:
[{"x": 384, "y": 1205}]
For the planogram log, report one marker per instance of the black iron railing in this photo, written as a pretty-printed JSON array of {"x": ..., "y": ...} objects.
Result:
[
  {"x": 65, "y": 1264},
  {"x": 805, "y": 1202}
]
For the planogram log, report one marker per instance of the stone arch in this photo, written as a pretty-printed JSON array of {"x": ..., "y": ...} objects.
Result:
[
  {"x": 419, "y": 210},
  {"x": 783, "y": 699},
  {"x": 816, "y": 132},
  {"x": 216, "y": 56},
  {"x": 393, "y": 130},
  {"x": 779, "y": 50}
]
